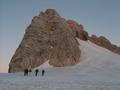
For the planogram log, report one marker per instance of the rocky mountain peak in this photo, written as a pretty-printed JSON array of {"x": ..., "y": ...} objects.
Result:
[
  {"x": 48, "y": 37},
  {"x": 51, "y": 12},
  {"x": 52, "y": 38}
]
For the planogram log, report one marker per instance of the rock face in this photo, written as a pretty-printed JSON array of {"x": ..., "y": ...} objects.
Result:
[
  {"x": 48, "y": 37},
  {"x": 105, "y": 43},
  {"x": 78, "y": 30}
]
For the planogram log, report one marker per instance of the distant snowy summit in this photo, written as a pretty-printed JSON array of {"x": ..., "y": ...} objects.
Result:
[{"x": 51, "y": 37}]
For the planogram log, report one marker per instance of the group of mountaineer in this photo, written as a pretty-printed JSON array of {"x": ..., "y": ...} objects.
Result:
[{"x": 26, "y": 71}]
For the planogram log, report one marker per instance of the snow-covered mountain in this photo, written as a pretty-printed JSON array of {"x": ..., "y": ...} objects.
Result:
[
  {"x": 99, "y": 70},
  {"x": 52, "y": 37}
]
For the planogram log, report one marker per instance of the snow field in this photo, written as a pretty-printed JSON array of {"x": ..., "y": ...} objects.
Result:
[{"x": 99, "y": 69}]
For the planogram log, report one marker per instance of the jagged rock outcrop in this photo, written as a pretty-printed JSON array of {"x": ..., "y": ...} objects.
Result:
[
  {"x": 78, "y": 30},
  {"x": 48, "y": 37},
  {"x": 105, "y": 43}
]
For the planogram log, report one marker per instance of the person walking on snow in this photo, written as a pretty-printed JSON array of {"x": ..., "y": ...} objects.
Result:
[
  {"x": 36, "y": 72},
  {"x": 26, "y": 72},
  {"x": 43, "y": 72}
]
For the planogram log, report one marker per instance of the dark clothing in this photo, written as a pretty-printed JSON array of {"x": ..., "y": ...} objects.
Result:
[
  {"x": 43, "y": 71},
  {"x": 30, "y": 70},
  {"x": 36, "y": 72},
  {"x": 26, "y": 72}
]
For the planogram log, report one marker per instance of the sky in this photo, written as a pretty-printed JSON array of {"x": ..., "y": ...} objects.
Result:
[{"x": 100, "y": 17}]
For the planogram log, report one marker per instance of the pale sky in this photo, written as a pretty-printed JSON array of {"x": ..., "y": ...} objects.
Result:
[{"x": 100, "y": 17}]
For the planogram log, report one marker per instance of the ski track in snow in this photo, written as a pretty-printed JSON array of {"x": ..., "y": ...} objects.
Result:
[{"x": 99, "y": 69}]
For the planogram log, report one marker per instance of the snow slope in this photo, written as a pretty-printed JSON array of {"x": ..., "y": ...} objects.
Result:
[
  {"x": 45, "y": 65},
  {"x": 99, "y": 69}
]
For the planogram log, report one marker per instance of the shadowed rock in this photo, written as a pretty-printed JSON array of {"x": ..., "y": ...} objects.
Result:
[{"x": 78, "y": 30}]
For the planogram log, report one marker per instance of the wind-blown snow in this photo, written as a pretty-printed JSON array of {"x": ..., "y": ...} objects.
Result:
[{"x": 99, "y": 69}]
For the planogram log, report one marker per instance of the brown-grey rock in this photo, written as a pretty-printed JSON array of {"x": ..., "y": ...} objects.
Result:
[
  {"x": 105, "y": 43},
  {"x": 78, "y": 30},
  {"x": 48, "y": 37}
]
